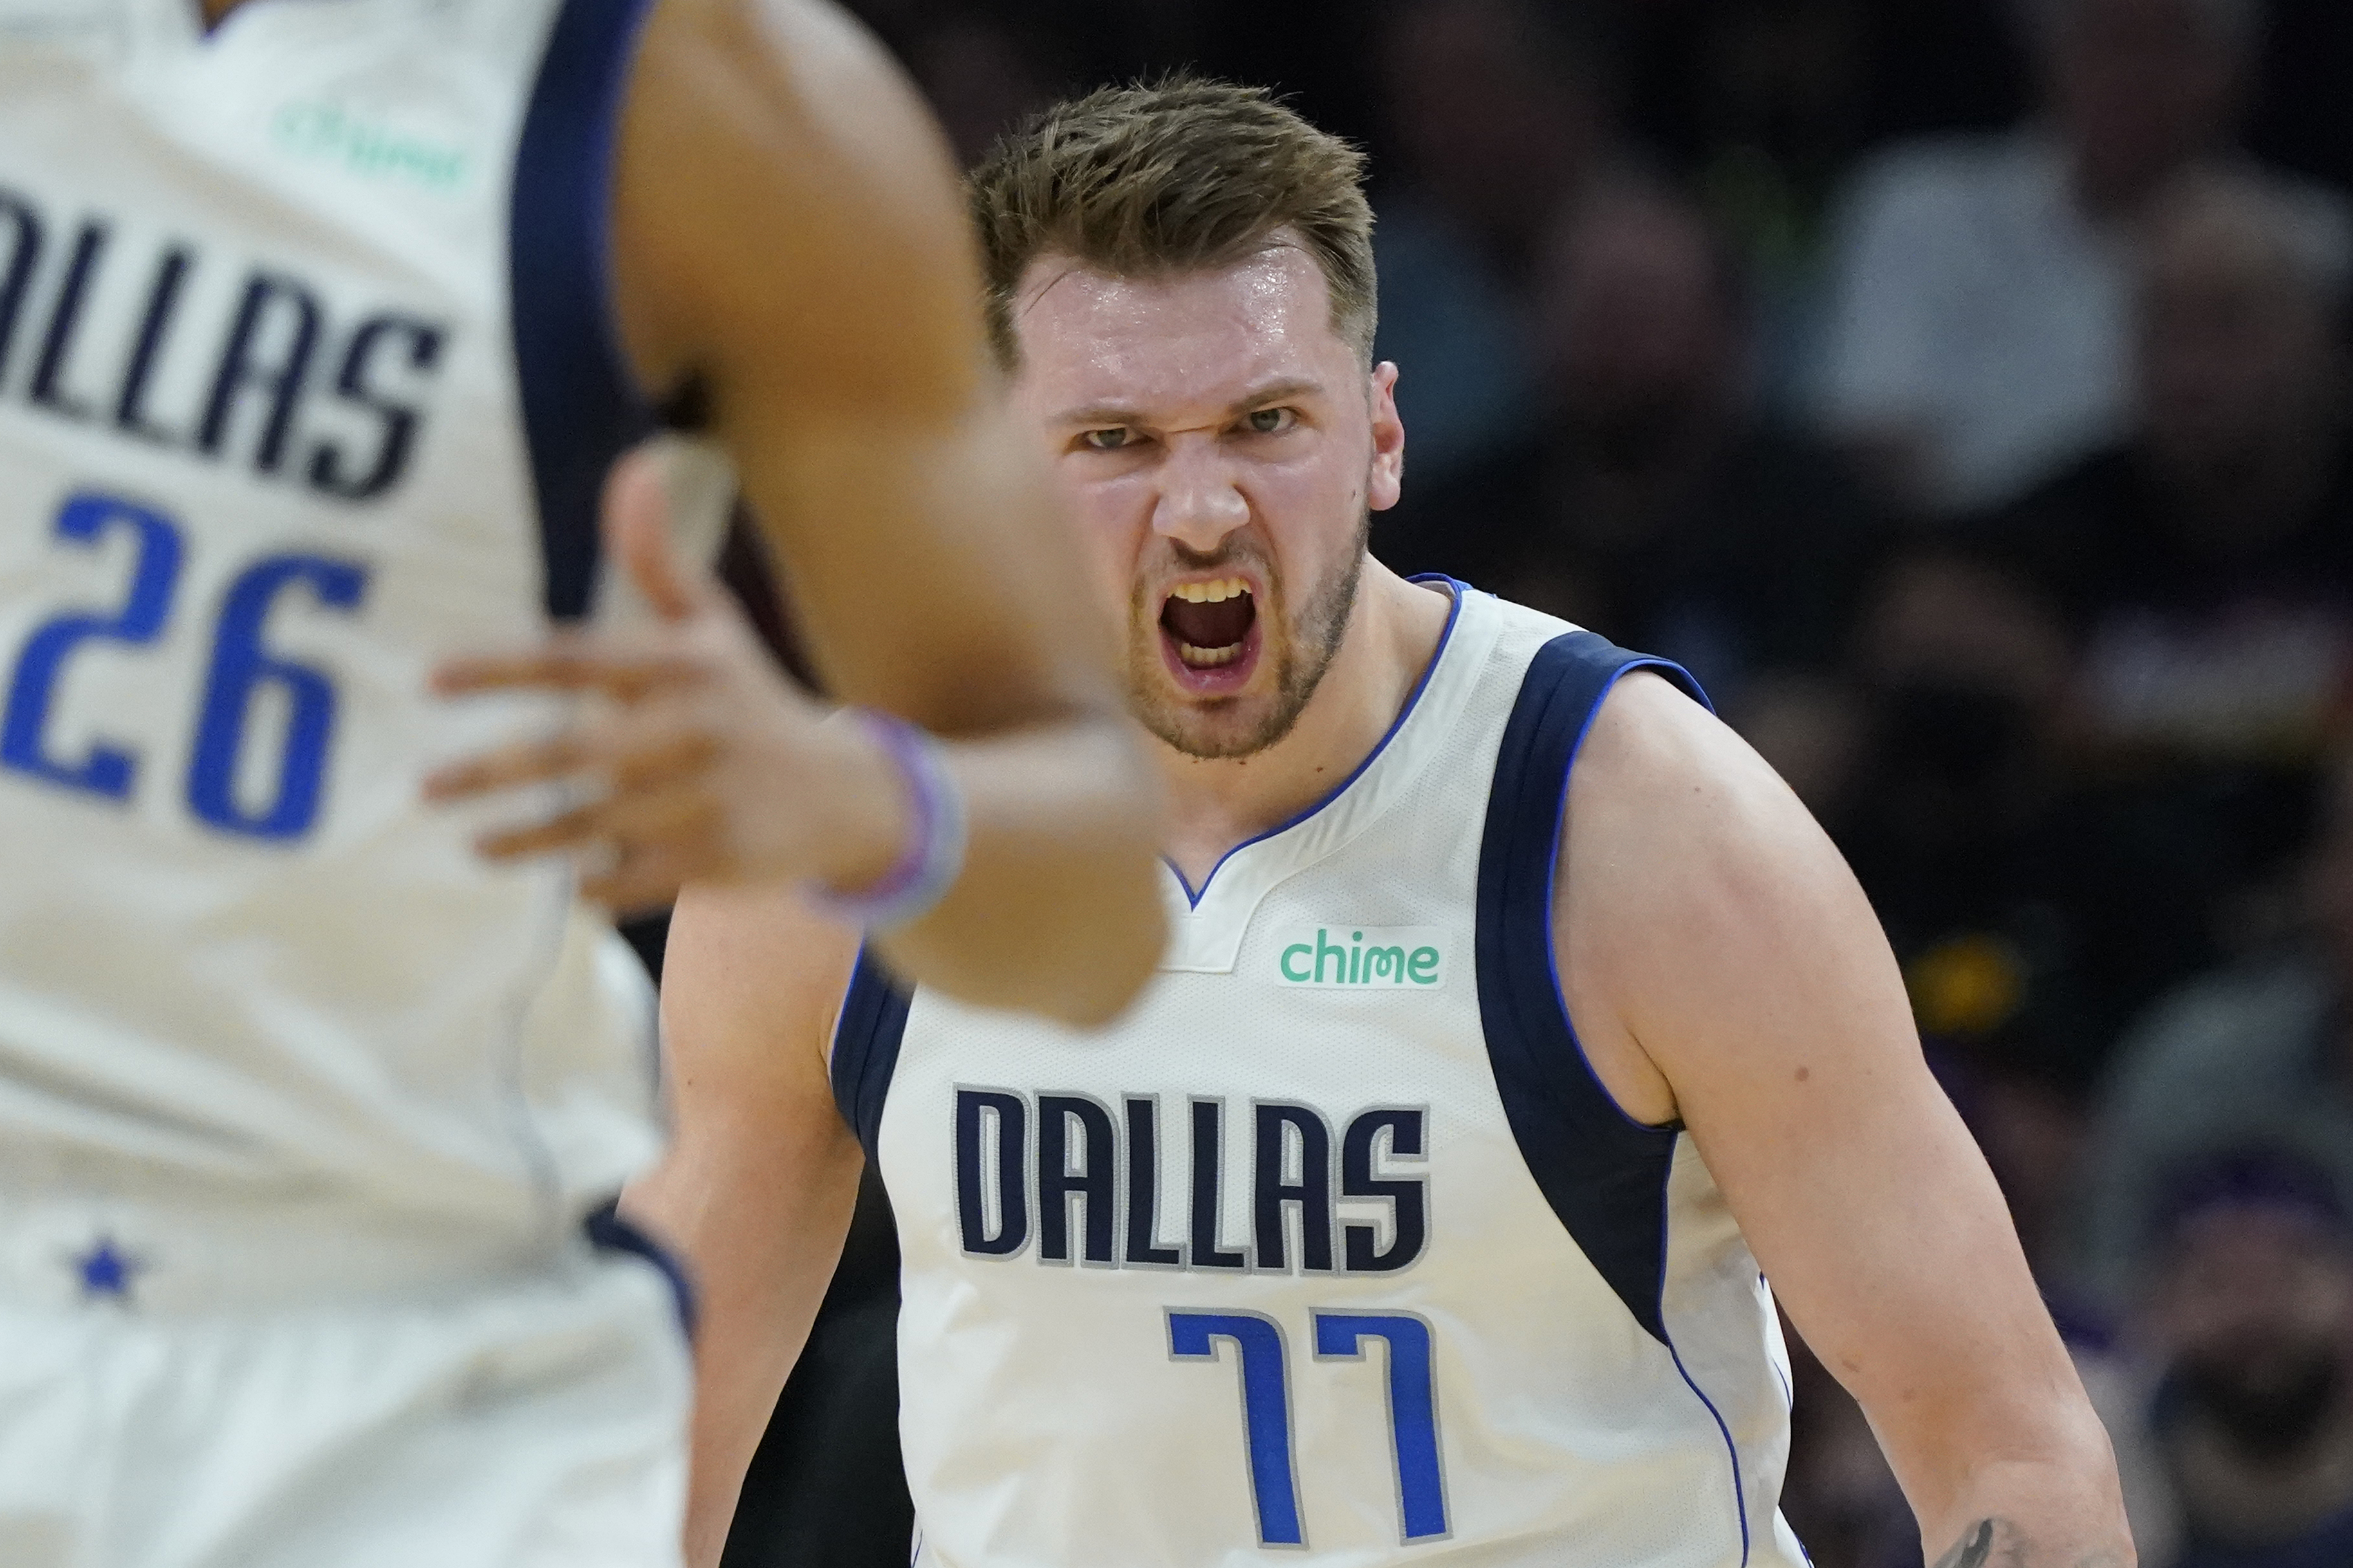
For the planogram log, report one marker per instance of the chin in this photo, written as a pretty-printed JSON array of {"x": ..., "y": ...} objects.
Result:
[{"x": 1220, "y": 731}]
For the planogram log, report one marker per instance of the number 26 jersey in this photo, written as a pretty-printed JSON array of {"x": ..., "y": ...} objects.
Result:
[{"x": 306, "y": 382}]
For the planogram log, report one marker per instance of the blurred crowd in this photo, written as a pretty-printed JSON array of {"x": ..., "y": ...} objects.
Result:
[{"x": 1959, "y": 389}]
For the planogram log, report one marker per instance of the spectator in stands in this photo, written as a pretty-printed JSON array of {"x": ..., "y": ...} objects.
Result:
[
  {"x": 2249, "y": 1306},
  {"x": 1762, "y": 105},
  {"x": 2261, "y": 1050},
  {"x": 2204, "y": 565},
  {"x": 1500, "y": 112},
  {"x": 1654, "y": 505},
  {"x": 1980, "y": 330},
  {"x": 2096, "y": 722},
  {"x": 2202, "y": 571}
]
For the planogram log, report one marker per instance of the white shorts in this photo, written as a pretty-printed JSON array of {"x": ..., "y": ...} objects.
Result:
[{"x": 532, "y": 1421}]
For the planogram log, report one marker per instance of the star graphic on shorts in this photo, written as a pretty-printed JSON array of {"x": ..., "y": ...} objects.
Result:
[{"x": 107, "y": 1270}]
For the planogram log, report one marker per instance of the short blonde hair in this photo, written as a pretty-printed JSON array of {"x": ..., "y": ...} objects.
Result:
[{"x": 1182, "y": 175}]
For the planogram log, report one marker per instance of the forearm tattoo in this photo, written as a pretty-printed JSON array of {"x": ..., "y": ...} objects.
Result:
[
  {"x": 1974, "y": 1547},
  {"x": 1999, "y": 1543}
]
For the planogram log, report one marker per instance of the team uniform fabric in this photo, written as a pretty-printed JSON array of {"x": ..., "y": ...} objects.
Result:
[
  {"x": 532, "y": 1422},
  {"x": 306, "y": 382},
  {"x": 1333, "y": 1245}
]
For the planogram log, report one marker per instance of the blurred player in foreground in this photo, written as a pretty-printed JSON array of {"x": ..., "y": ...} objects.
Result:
[
  {"x": 1343, "y": 1239},
  {"x": 309, "y": 375}
]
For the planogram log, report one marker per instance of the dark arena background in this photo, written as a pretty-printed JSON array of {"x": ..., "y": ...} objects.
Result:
[{"x": 1959, "y": 389}]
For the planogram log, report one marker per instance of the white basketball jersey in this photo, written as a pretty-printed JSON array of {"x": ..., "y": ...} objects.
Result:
[
  {"x": 1333, "y": 1245},
  {"x": 306, "y": 382}
]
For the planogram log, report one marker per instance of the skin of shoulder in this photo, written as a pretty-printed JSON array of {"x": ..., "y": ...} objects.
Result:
[
  {"x": 757, "y": 1186},
  {"x": 1725, "y": 971}
]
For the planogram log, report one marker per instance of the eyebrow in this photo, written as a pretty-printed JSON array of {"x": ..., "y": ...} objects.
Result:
[{"x": 1096, "y": 415}]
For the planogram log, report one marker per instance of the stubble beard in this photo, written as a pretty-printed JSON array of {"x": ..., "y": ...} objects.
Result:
[{"x": 1299, "y": 658}]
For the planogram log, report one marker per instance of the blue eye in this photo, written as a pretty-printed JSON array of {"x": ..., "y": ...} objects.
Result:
[
  {"x": 1108, "y": 441},
  {"x": 1270, "y": 421}
]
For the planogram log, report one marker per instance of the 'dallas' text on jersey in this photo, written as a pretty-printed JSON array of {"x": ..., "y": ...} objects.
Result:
[{"x": 1333, "y": 1245}]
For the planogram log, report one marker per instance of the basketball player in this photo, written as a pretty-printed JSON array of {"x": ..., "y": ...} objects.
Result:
[
  {"x": 1516, "y": 1017},
  {"x": 309, "y": 373}
]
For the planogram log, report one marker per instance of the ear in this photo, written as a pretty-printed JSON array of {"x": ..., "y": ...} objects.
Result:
[{"x": 1386, "y": 481}]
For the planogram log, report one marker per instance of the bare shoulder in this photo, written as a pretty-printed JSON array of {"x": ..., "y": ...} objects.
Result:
[
  {"x": 1666, "y": 760},
  {"x": 1694, "y": 891},
  {"x": 771, "y": 155},
  {"x": 1667, "y": 801},
  {"x": 1673, "y": 818}
]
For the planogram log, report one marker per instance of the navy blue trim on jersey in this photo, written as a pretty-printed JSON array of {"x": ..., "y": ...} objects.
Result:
[
  {"x": 1731, "y": 1449},
  {"x": 607, "y": 1231},
  {"x": 1453, "y": 612},
  {"x": 582, "y": 406},
  {"x": 1603, "y": 1172},
  {"x": 865, "y": 1046}
]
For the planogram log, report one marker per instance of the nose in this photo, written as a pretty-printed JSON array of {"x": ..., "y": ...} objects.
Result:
[{"x": 1198, "y": 502}]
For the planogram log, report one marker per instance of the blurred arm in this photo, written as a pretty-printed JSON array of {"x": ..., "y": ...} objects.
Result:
[
  {"x": 758, "y": 1188},
  {"x": 1725, "y": 969},
  {"x": 788, "y": 232}
]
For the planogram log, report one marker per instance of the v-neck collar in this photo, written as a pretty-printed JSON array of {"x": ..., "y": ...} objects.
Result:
[{"x": 1207, "y": 926}]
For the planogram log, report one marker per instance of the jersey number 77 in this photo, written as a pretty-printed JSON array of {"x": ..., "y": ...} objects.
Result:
[{"x": 1266, "y": 1408}]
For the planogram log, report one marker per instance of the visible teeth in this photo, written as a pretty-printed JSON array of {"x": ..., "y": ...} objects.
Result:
[
  {"x": 1216, "y": 593},
  {"x": 1209, "y": 657}
]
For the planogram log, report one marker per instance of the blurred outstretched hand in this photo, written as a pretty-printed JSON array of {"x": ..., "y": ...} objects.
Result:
[{"x": 703, "y": 762}]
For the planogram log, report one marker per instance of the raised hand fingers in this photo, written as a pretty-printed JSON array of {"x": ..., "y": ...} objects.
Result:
[
  {"x": 675, "y": 812},
  {"x": 624, "y": 674},
  {"x": 653, "y": 844},
  {"x": 531, "y": 762},
  {"x": 624, "y": 757}
]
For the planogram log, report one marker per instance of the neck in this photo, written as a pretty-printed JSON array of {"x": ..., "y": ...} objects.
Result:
[{"x": 1392, "y": 635}]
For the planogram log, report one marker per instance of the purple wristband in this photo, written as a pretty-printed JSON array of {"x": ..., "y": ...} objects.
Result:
[{"x": 933, "y": 857}]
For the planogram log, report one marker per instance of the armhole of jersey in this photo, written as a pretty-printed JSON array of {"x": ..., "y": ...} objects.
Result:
[
  {"x": 582, "y": 406},
  {"x": 1603, "y": 1174},
  {"x": 866, "y": 1047}
]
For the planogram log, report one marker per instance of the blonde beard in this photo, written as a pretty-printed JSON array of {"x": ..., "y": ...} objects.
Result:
[{"x": 1298, "y": 662}]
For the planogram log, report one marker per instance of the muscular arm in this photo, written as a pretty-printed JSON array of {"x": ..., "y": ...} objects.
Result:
[
  {"x": 788, "y": 235},
  {"x": 758, "y": 1188},
  {"x": 1723, "y": 968}
]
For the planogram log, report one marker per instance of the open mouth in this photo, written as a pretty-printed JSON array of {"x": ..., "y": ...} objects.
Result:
[{"x": 1206, "y": 627}]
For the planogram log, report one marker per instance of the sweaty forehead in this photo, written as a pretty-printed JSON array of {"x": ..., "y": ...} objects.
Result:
[{"x": 1195, "y": 339}]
